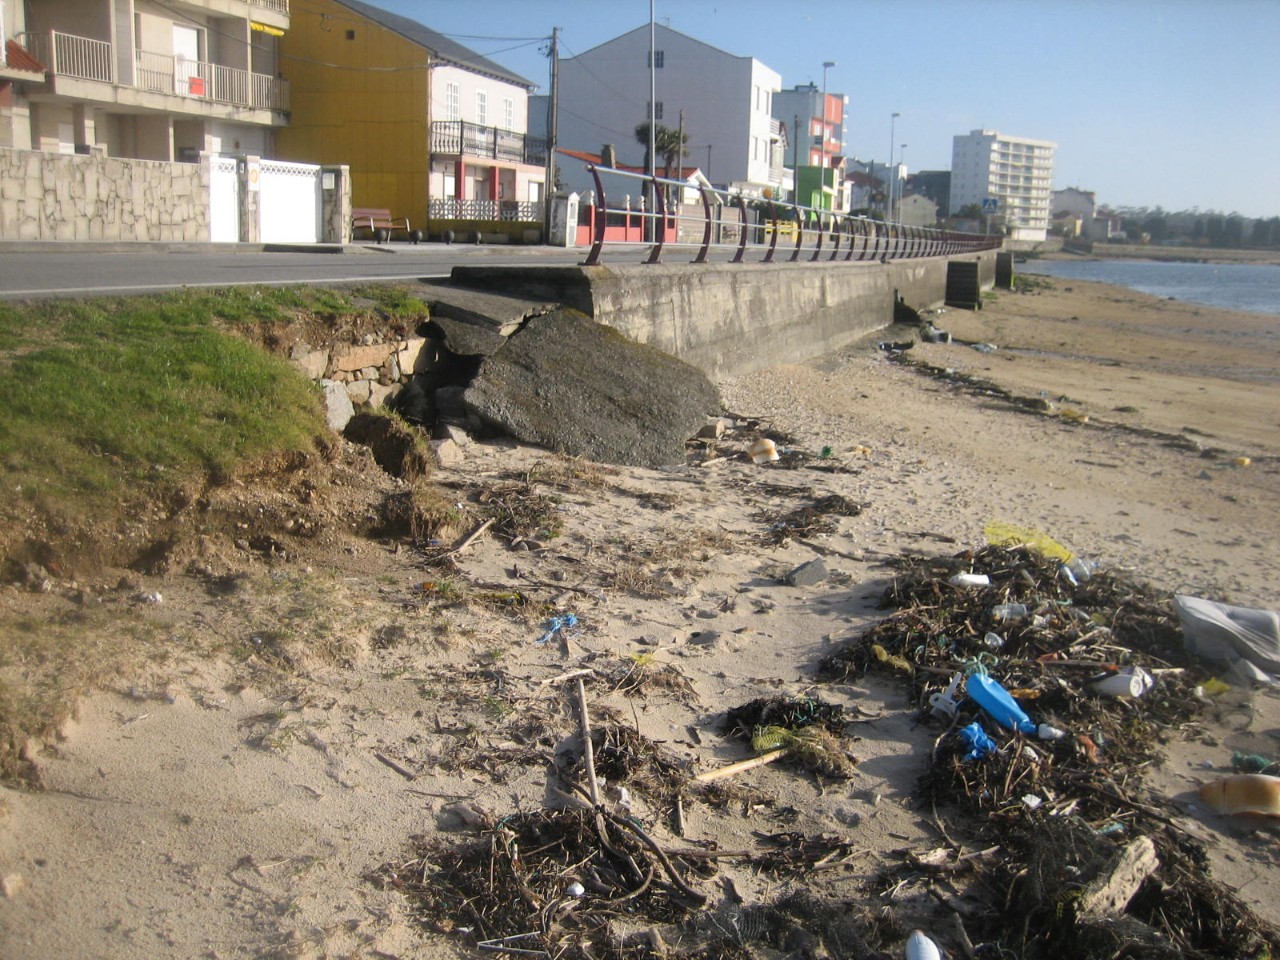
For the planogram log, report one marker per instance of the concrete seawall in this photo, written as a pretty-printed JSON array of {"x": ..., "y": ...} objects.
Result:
[{"x": 730, "y": 319}]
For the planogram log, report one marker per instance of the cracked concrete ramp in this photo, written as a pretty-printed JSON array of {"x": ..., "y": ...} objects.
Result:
[{"x": 565, "y": 382}]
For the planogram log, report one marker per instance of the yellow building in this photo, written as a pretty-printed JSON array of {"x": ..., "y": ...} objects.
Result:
[{"x": 431, "y": 130}]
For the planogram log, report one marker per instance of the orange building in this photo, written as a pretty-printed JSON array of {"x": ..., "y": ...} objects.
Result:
[{"x": 430, "y": 130}]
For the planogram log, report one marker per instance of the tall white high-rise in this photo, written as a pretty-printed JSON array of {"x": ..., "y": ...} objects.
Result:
[{"x": 1011, "y": 177}]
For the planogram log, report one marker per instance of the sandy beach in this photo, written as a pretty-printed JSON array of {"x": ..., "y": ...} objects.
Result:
[{"x": 303, "y": 721}]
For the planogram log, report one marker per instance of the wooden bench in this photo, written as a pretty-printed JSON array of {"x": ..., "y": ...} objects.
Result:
[{"x": 381, "y": 225}]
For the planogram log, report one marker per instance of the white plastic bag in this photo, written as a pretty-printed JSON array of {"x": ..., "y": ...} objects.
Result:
[{"x": 1247, "y": 639}]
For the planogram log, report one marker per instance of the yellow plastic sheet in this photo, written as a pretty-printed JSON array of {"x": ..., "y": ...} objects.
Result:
[{"x": 1002, "y": 534}]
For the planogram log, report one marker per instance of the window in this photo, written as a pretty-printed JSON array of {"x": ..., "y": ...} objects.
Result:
[
  {"x": 508, "y": 113},
  {"x": 452, "y": 102},
  {"x": 482, "y": 108},
  {"x": 657, "y": 59}
]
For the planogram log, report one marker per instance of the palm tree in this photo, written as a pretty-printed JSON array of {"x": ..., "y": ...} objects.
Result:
[{"x": 668, "y": 144}]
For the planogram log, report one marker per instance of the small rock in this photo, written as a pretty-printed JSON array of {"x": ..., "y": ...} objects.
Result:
[
  {"x": 712, "y": 430},
  {"x": 447, "y": 453},
  {"x": 807, "y": 574},
  {"x": 12, "y": 885}
]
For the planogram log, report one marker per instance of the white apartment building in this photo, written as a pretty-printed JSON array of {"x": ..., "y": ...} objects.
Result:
[
  {"x": 1010, "y": 177},
  {"x": 726, "y": 100},
  {"x": 142, "y": 79}
]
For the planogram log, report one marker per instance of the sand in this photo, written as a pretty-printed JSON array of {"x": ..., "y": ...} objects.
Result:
[{"x": 235, "y": 805}]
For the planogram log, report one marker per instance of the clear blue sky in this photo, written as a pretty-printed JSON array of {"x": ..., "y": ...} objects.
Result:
[{"x": 1172, "y": 103}]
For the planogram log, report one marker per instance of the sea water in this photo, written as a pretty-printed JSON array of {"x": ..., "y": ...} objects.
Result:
[{"x": 1254, "y": 287}]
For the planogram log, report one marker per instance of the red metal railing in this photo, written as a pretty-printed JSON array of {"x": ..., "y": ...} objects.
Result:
[{"x": 735, "y": 224}]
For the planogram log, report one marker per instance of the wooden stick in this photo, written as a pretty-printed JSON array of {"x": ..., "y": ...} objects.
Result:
[
  {"x": 588, "y": 751},
  {"x": 572, "y": 674},
  {"x": 407, "y": 774},
  {"x": 467, "y": 541},
  {"x": 749, "y": 764}
]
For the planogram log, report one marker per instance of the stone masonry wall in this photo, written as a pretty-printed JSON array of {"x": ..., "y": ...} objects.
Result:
[
  {"x": 50, "y": 196},
  {"x": 366, "y": 374}
]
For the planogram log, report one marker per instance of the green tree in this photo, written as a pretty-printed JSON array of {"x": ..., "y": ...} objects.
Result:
[
  {"x": 1233, "y": 231},
  {"x": 970, "y": 211}
]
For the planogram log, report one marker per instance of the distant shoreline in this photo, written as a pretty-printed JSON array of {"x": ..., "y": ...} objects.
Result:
[{"x": 1124, "y": 251}]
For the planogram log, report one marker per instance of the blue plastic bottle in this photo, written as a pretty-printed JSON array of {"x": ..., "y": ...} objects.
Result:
[{"x": 995, "y": 700}]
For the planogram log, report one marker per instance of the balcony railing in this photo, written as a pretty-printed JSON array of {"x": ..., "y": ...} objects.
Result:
[
  {"x": 86, "y": 59},
  {"x": 73, "y": 56},
  {"x": 460, "y": 138},
  {"x": 279, "y": 6},
  {"x": 447, "y": 208}
]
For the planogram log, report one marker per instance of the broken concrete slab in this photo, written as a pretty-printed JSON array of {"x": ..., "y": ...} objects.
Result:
[
  {"x": 572, "y": 385},
  {"x": 465, "y": 338},
  {"x": 494, "y": 312}
]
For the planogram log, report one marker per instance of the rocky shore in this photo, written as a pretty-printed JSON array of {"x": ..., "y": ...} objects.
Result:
[{"x": 309, "y": 727}]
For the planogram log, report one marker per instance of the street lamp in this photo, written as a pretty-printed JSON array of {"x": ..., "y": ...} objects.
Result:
[
  {"x": 888, "y": 208},
  {"x": 822, "y": 161},
  {"x": 902, "y": 162}
]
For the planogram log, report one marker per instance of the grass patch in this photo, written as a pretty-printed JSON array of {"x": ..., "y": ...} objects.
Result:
[
  {"x": 106, "y": 398},
  {"x": 118, "y": 410}
]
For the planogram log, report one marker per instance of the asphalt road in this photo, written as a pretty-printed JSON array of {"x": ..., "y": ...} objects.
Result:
[{"x": 78, "y": 270}]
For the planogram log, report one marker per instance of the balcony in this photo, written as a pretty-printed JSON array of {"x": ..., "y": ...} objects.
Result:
[
  {"x": 83, "y": 58},
  {"x": 462, "y": 139},
  {"x": 279, "y": 6}
]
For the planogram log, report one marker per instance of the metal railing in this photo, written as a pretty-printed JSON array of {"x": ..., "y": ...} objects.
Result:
[
  {"x": 279, "y": 6},
  {"x": 448, "y": 208},
  {"x": 462, "y": 138},
  {"x": 758, "y": 225},
  {"x": 87, "y": 59}
]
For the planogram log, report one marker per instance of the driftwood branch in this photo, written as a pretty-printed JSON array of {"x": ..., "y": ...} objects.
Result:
[{"x": 588, "y": 749}]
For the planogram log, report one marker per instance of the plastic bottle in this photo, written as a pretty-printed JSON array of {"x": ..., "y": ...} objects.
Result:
[
  {"x": 920, "y": 947},
  {"x": 998, "y": 704},
  {"x": 969, "y": 580},
  {"x": 1009, "y": 611}
]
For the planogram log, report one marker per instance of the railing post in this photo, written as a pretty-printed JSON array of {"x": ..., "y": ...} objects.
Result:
[
  {"x": 593, "y": 257},
  {"x": 773, "y": 240},
  {"x": 659, "y": 223},
  {"x": 795, "y": 254},
  {"x": 706, "y": 227},
  {"x": 742, "y": 230}
]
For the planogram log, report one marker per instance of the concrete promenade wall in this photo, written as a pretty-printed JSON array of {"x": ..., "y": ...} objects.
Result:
[{"x": 730, "y": 319}]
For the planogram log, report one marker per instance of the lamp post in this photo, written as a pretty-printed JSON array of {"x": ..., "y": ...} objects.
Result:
[
  {"x": 822, "y": 157},
  {"x": 826, "y": 65},
  {"x": 888, "y": 203},
  {"x": 902, "y": 162}
]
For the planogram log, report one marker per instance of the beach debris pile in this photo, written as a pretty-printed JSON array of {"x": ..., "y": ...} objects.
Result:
[{"x": 1052, "y": 685}]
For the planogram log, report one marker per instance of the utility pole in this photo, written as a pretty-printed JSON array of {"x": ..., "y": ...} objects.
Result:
[
  {"x": 553, "y": 120},
  {"x": 679, "y": 158},
  {"x": 653, "y": 127}
]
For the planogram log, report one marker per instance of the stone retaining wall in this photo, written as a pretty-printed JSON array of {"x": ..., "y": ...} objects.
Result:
[
  {"x": 366, "y": 374},
  {"x": 52, "y": 196},
  {"x": 56, "y": 196}
]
